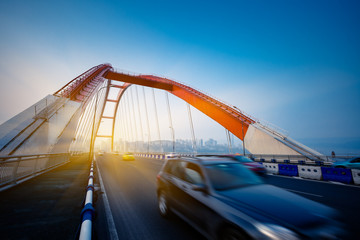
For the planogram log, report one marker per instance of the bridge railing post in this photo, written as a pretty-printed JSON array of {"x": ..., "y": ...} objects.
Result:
[
  {"x": 35, "y": 165},
  {"x": 14, "y": 173}
]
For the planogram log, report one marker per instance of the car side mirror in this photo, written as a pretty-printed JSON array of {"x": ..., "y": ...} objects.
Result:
[{"x": 200, "y": 188}]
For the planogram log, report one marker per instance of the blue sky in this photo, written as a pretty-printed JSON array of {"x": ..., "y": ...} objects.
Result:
[{"x": 295, "y": 64}]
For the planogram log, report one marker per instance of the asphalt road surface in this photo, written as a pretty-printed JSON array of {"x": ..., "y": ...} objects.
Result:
[{"x": 131, "y": 190}]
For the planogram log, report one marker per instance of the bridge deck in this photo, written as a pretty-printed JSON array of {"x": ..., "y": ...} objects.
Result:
[{"x": 46, "y": 207}]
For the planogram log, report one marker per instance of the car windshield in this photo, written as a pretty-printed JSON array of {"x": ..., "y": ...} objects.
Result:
[
  {"x": 243, "y": 159},
  {"x": 224, "y": 176},
  {"x": 129, "y": 153},
  {"x": 355, "y": 160}
]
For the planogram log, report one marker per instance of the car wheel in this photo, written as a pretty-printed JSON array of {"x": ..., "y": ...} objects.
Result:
[
  {"x": 163, "y": 205},
  {"x": 233, "y": 234}
]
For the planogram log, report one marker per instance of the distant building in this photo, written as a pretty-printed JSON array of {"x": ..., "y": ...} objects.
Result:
[
  {"x": 201, "y": 143},
  {"x": 211, "y": 143}
]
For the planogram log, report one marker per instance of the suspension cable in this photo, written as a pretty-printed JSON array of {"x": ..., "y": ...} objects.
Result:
[
  {"x": 134, "y": 120},
  {"x": 228, "y": 140},
  {"x": 116, "y": 134},
  {"x": 233, "y": 144},
  {"x": 147, "y": 121},
  {"x": 86, "y": 121},
  {"x": 192, "y": 129},
  {"x": 243, "y": 142},
  {"x": 157, "y": 120},
  {"x": 126, "y": 129},
  {"x": 170, "y": 120},
  {"x": 125, "y": 123},
  {"x": 82, "y": 139},
  {"x": 122, "y": 132},
  {"x": 119, "y": 124},
  {"x": 141, "y": 128},
  {"x": 129, "y": 125},
  {"x": 92, "y": 138},
  {"x": 89, "y": 121}
]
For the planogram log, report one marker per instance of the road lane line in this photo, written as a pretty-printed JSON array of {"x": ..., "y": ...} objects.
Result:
[
  {"x": 313, "y": 180},
  {"x": 109, "y": 216},
  {"x": 311, "y": 194},
  {"x": 338, "y": 183}
]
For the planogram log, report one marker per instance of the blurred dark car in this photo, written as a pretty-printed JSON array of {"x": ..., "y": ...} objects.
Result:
[
  {"x": 172, "y": 155},
  {"x": 257, "y": 168},
  {"x": 223, "y": 199},
  {"x": 353, "y": 163}
]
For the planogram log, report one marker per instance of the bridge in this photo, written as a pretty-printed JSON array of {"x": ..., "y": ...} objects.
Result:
[{"x": 52, "y": 173}]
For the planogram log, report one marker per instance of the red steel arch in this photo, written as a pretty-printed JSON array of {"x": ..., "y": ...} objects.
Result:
[
  {"x": 85, "y": 84},
  {"x": 259, "y": 139},
  {"x": 229, "y": 117}
]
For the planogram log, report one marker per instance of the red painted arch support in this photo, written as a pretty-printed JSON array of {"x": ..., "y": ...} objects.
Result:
[
  {"x": 230, "y": 118},
  {"x": 258, "y": 138}
]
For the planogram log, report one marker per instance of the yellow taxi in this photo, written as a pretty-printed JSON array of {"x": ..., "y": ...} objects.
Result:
[{"x": 128, "y": 156}]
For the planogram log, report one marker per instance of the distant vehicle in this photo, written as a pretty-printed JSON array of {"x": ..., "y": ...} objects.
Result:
[
  {"x": 128, "y": 156},
  {"x": 116, "y": 152},
  {"x": 250, "y": 164},
  {"x": 171, "y": 155},
  {"x": 101, "y": 153},
  {"x": 253, "y": 166},
  {"x": 223, "y": 199},
  {"x": 353, "y": 163}
]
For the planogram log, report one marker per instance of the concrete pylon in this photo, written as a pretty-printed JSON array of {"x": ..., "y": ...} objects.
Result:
[{"x": 46, "y": 127}]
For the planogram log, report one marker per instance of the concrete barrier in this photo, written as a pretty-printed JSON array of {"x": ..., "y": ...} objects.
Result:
[
  {"x": 356, "y": 175},
  {"x": 288, "y": 170},
  {"x": 271, "y": 167},
  {"x": 310, "y": 172},
  {"x": 336, "y": 174},
  {"x": 316, "y": 170},
  {"x": 156, "y": 156}
]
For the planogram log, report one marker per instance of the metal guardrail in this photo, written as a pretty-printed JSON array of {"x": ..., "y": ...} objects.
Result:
[
  {"x": 88, "y": 211},
  {"x": 66, "y": 90},
  {"x": 19, "y": 168},
  {"x": 299, "y": 157},
  {"x": 295, "y": 159}
]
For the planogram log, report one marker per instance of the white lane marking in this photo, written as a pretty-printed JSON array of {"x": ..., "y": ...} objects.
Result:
[
  {"x": 312, "y": 180},
  {"x": 109, "y": 216},
  {"x": 311, "y": 194},
  {"x": 338, "y": 183}
]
